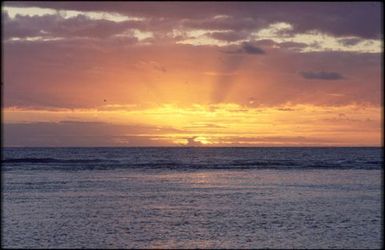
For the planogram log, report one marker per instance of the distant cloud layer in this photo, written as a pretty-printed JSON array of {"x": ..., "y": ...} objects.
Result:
[
  {"x": 72, "y": 133},
  {"x": 321, "y": 75}
]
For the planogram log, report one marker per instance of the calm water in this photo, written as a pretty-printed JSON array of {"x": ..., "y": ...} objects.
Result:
[{"x": 192, "y": 197}]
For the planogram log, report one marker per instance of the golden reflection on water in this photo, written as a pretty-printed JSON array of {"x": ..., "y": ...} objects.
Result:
[{"x": 201, "y": 179}]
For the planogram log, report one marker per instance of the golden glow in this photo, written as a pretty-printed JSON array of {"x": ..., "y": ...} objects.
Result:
[{"x": 229, "y": 123}]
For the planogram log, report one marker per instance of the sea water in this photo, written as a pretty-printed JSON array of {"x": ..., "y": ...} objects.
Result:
[{"x": 192, "y": 197}]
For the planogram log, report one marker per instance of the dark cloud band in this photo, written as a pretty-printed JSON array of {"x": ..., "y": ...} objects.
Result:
[{"x": 321, "y": 75}]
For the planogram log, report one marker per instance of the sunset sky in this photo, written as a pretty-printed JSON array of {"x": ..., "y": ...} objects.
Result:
[{"x": 192, "y": 74}]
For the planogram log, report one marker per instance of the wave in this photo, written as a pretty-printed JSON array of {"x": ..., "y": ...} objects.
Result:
[{"x": 108, "y": 164}]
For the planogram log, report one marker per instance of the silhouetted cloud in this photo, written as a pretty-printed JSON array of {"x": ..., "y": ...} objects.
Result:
[
  {"x": 246, "y": 48},
  {"x": 322, "y": 75},
  {"x": 251, "y": 49},
  {"x": 276, "y": 141},
  {"x": 191, "y": 142},
  {"x": 81, "y": 133}
]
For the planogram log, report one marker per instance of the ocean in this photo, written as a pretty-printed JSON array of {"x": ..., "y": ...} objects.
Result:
[{"x": 192, "y": 197}]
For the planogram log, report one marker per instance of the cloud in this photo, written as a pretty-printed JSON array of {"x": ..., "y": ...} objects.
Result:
[
  {"x": 220, "y": 24},
  {"x": 251, "y": 49},
  {"x": 22, "y": 27},
  {"x": 229, "y": 36},
  {"x": 199, "y": 125},
  {"x": 88, "y": 66},
  {"x": 191, "y": 142},
  {"x": 321, "y": 75},
  {"x": 279, "y": 141},
  {"x": 314, "y": 40},
  {"x": 225, "y": 23},
  {"x": 292, "y": 45},
  {"x": 361, "y": 19},
  {"x": 34, "y": 71},
  {"x": 80, "y": 133},
  {"x": 286, "y": 109},
  {"x": 246, "y": 48},
  {"x": 350, "y": 41}
]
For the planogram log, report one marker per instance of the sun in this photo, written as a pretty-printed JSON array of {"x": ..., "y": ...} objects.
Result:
[{"x": 202, "y": 139}]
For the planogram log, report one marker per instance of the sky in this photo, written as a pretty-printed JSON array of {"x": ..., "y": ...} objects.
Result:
[{"x": 192, "y": 73}]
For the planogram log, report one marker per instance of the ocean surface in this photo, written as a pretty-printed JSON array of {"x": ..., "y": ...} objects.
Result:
[{"x": 192, "y": 198}]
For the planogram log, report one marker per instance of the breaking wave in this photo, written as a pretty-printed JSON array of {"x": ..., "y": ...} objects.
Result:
[{"x": 31, "y": 163}]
